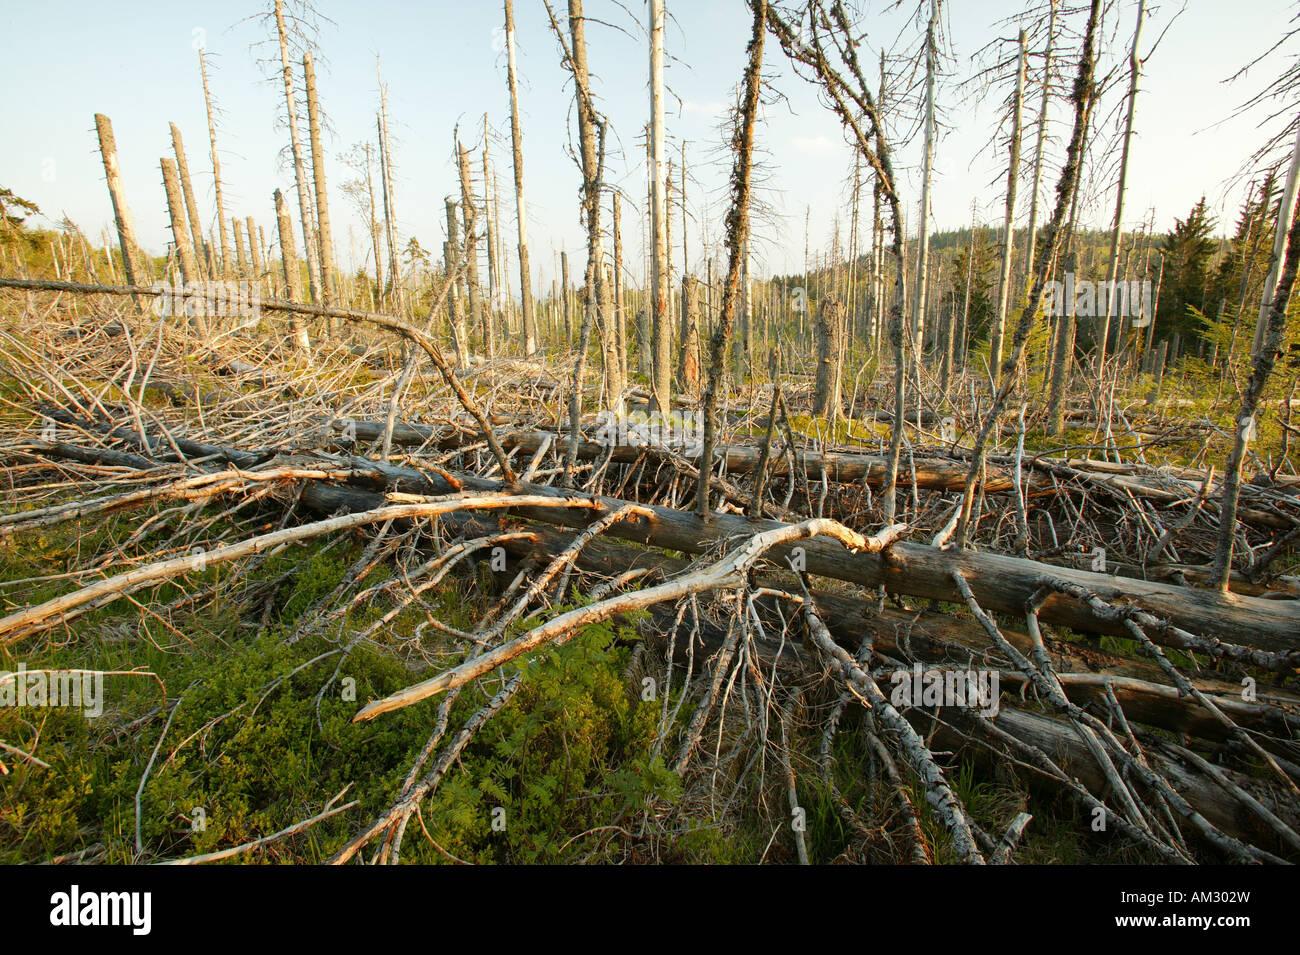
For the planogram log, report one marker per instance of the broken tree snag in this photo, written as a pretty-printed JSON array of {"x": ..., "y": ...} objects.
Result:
[
  {"x": 828, "y": 401},
  {"x": 187, "y": 191},
  {"x": 132, "y": 262}
]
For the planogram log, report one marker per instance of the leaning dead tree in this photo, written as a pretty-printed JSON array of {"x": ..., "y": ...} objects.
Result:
[
  {"x": 858, "y": 110},
  {"x": 736, "y": 240},
  {"x": 1066, "y": 189}
]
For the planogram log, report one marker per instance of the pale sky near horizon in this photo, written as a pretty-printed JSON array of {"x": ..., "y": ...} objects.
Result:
[{"x": 444, "y": 63}]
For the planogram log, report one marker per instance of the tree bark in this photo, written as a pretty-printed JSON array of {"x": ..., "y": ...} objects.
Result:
[
  {"x": 521, "y": 213},
  {"x": 326, "y": 245},
  {"x": 299, "y": 168},
  {"x": 133, "y": 264}
]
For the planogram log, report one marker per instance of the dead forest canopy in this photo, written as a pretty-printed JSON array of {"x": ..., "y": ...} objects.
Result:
[{"x": 966, "y": 546}]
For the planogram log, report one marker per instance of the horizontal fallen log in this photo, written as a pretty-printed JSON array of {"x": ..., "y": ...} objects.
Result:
[{"x": 1253, "y": 630}]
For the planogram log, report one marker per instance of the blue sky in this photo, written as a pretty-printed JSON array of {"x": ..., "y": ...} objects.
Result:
[{"x": 443, "y": 63}]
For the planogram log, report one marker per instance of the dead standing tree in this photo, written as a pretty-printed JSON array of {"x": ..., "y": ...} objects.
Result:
[
  {"x": 521, "y": 212},
  {"x": 1066, "y": 188},
  {"x": 326, "y": 244},
  {"x": 660, "y": 320},
  {"x": 591, "y": 143},
  {"x": 133, "y": 263},
  {"x": 736, "y": 241},
  {"x": 858, "y": 111},
  {"x": 1262, "y": 368},
  {"x": 299, "y": 164},
  {"x": 216, "y": 170}
]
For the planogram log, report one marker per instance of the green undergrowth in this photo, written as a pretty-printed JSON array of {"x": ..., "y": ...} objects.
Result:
[{"x": 263, "y": 738}]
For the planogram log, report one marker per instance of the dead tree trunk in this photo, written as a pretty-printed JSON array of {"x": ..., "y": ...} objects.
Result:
[
  {"x": 374, "y": 227},
  {"x": 827, "y": 400},
  {"x": 187, "y": 192},
  {"x": 216, "y": 168},
  {"x": 521, "y": 213},
  {"x": 1008, "y": 229},
  {"x": 289, "y": 260},
  {"x": 299, "y": 167},
  {"x": 133, "y": 263},
  {"x": 397, "y": 290},
  {"x": 661, "y": 384},
  {"x": 326, "y": 245},
  {"x": 254, "y": 248},
  {"x": 1066, "y": 191},
  {"x": 688, "y": 365},
  {"x": 1265, "y": 358},
  {"x": 737, "y": 238},
  {"x": 1032, "y": 233},
  {"x": 459, "y": 338},
  {"x": 1116, "y": 235},
  {"x": 469, "y": 216},
  {"x": 620, "y": 316},
  {"x": 180, "y": 234}
]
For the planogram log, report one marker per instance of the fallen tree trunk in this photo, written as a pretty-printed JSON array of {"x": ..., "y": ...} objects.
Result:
[{"x": 1193, "y": 620}]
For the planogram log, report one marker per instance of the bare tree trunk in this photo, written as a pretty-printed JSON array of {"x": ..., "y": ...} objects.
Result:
[
  {"x": 492, "y": 302},
  {"x": 176, "y": 210},
  {"x": 469, "y": 216},
  {"x": 1008, "y": 229},
  {"x": 133, "y": 263},
  {"x": 289, "y": 259},
  {"x": 326, "y": 248},
  {"x": 1265, "y": 359},
  {"x": 459, "y": 338},
  {"x": 254, "y": 248},
  {"x": 1032, "y": 237},
  {"x": 216, "y": 167},
  {"x": 1085, "y": 92},
  {"x": 295, "y": 141},
  {"x": 1064, "y": 350},
  {"x": 374, "y": 227},
  {"x": 827, "y": 399},
  {"x": 1285, "y": 212},
  {"x": 521, "y": 213},
  {"x": 1116, "y": 235},
  {"x": 187, "y": 193},
  {"x": 241, "y": 259},
  {"x": 921, "y": 302},
  {"x": 288, "y": 256},
  {"x": 688, "y": 365},
  {"x": 564, "y": 290},
  {"x": 737, "y": 236},
  {"x": 620, "y": 316},
  {"x": 661, "y": 384},
  {"x": 591, "y": 141},
  {"x": 390, "y": 211}
]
